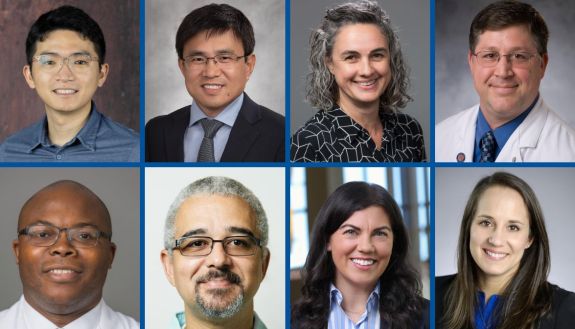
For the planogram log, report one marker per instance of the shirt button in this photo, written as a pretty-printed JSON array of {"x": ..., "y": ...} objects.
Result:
[{"x": 59, "y": 157}]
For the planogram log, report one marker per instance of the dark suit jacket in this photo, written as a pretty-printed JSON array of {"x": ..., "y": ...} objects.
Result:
[
  {"x": 257, "y": 136},
  {"x": 562, "y": 315}
]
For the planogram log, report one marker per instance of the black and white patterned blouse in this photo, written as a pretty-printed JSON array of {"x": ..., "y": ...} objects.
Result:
[{"x": 333, "y": 136}]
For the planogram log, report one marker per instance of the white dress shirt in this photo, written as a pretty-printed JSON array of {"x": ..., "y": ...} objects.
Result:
[{"x": 23, "y": 316}]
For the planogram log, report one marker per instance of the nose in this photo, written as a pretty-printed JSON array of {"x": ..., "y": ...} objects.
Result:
[
  {"x": 365, "y": 67},
  {"x": 211, "y": 68},
  {"x": 496, "y": 237},
  {"x": 65, "y": 72},
  {"x": 218, "y": 257},
  {"x": 504, "y": 68},
  {"x": 364, "y": 244},
  {"x": 62, "y": 246}
]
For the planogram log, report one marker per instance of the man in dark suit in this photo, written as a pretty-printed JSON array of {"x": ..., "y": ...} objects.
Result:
[{"x": 215, "y": 46}]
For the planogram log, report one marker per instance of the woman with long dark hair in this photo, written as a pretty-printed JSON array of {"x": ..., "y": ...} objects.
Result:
[
  {"x": 503, "y": 264},
  {"x": 357, "y": 269}
]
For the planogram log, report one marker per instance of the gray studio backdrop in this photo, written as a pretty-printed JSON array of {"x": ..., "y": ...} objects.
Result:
[
  {"x": 119, "y": 188},
  {"x": 554, "y": 188},
  {"x": 454, "y": 89},
  {"x": 165, "y": 88},
  {"x": 410, "y": 19},
  {"x": 162, "y": 186}
]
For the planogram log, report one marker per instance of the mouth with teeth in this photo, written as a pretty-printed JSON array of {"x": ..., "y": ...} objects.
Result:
[
  {"x": 494, "y": 255},
  {"x": 363, "y": 263},
  {"x": 212, "y": 86},
  {"x": 64, "y": 91},
  {"x": 63, "y": 275},
  {"x": 366, "y": 84}
]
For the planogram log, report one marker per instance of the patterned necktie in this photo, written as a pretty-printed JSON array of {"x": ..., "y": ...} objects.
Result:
[
  {"x": 206, "y": 153},
  {"x": 488, "y": 145}
]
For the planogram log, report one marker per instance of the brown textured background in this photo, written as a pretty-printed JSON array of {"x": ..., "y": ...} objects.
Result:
[{"x": 20, "y": 106}]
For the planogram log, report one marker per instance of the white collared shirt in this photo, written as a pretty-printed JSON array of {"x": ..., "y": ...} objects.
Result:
[{"x": 23, "y": 316}]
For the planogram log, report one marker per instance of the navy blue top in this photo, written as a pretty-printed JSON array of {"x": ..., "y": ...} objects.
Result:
[
  {"x": 501, "y": 134},
  {"x": 484, "y": 317},
  {"x": 100, "y": 140}
]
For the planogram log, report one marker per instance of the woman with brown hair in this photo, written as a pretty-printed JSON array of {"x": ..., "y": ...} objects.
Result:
[{"x": 503, "y": 264}]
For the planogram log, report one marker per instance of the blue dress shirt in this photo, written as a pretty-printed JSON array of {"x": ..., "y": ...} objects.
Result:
[
  {"x": 484, "y": 313},
  {"x": 370, "y": 319},
  {"x": 195, "y": 133},
  {"x": 100, "y": 140},
  {"x": 501, "y": 134}
]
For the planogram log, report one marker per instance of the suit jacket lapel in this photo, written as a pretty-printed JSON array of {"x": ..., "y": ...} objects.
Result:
[
  {"x": 175, "y": 136},
  {"x": 243, "y": 134}
]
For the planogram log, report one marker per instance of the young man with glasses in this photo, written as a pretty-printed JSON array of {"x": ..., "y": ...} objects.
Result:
[
  {"x": 507, "y": 57},
  {"x": 215, "y": 45},
  {"x": 65, "y": 50},
  {"x": 215, "y": 254},
  {"x": 64, "y": 251}
]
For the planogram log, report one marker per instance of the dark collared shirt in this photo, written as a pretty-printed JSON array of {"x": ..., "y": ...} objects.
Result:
[
  {"x": 100, "y": 140},
  {"x": 333, "y": 136}
]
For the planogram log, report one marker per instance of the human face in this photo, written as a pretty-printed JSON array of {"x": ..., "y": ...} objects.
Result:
[
  {"x": 63, "y": 279},
  {"x": 213, "y": 86},
  {"x": 65, "y": 91},
  {"x": 506, "y": 91},
  {"x": 360, "y": 64},
  {"x": 361, "y": 248},
  {"x": 500, "y": 233},
  {"x": 216, "y": 286}
]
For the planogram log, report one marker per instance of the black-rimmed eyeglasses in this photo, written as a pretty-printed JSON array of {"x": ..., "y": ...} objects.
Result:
[
  {"x": 42, "y": 235},
  {"x": 240, "y": 245}
]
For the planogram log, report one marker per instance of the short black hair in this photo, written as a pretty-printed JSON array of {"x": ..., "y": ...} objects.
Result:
[
  {"x": 66, "y": 18},
  {"x": 216, "y": 19}
]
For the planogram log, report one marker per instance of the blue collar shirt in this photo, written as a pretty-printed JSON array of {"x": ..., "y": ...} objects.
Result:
[
  {"x": 100, "y": 140},
  {"x": 195, "y": 133},
  {"x": 485, "y": 317},
  {"x": 501, "y": 134},
  {"x": 370, "y": 319}
]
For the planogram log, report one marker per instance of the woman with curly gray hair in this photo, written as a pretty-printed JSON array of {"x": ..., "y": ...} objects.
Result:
[{"x": 358, "y": 81}]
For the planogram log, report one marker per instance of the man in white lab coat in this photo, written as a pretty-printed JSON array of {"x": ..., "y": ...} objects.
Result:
[
  {"x": 64, "y": 251},
  {"x": 507, "y": 58}
]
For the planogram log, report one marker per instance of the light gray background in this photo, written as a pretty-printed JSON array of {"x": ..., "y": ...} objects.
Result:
[
  {"x": 410, "y": 18},
  {"x": 454, "y": 89},
  {"x": 554, "y": 188},
  {"x": 119, "y": 188},
  {"x": 165, "y": 88},
  {"x": 162, "y": 186}
]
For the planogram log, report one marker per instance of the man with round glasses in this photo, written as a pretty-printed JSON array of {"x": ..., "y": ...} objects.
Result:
[
  {"x": 64, "y": 250},
  {"x": 215, "y": 45},
  {"x": 507, "y": 58},
  {"x": 65, "y": 51},
  {"x": 215, "y": 254}
]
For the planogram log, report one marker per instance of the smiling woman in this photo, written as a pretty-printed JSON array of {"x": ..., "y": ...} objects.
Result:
[
  {"x": 358, "y": 82},
  {"x": 357, "y": 273},
  {"x": 503, "y": 264}
]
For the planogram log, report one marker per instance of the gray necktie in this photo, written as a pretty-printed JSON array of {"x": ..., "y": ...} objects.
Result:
[{"x": 206, "y": 153}]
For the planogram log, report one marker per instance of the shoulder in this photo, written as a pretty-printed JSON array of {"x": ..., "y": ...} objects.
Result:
[
  {"x": 118, "y": 130},
  {"x": 459, "y": 118},
  {"x": 307, "y": 140},
  {"x": 407, "y": 121},
  {"x": 19, "y": 143},
  {"x": 10, "y": 316},
  {"x": 563, "y": 303},
  {"x": 321, "y": 122},
  {"x": 166, "y": 120},
  {"x": 444, "y": 282},
  {"x": 114, "y": 319}
]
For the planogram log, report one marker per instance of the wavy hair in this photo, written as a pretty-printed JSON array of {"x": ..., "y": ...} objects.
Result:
[
  {"x": 322, "y": 90},
  {"x": 400, "y": 305},
  {"x": 527, "y": 295}
]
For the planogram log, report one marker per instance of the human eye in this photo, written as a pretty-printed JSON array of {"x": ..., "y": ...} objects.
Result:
[
  {"x": 489, "y": 55},
  {"x": 81, "y": 60},
  {"x": 378, "y": 56},
  {"x": 195, "y": 244},
  {"x": 239, "y": 242},
  {"x": 48, "y": 60},
  {"x": 484, "y": 222},
  {"x": 520, "y": 57},
  {"x": 381, "y": 233},
  {"x": 350, "y": 232},
  {"x": 41, "y": 232},
  {"x": 84, "y": 235},
  {"x": 197, "y": 59},
  {"x": 351, "y": 58},
  {"x": 225, "y": 58},
  {"x": 514, "y": 227}
]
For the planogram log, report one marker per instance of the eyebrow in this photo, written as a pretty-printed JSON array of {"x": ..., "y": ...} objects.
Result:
[
  {"x": 47, "y": 223},
  {"x": 231, "y": 229},
  {"x": 511, "y": 221},
  {"x": 73, "y": 54},
  {"x": 384, "y": 227},
  {"x": 218, "y": 52}
]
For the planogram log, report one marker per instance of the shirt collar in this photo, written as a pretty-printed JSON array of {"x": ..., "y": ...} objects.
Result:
[
  {"x": 35, "y": 320},
  {"x": 372, "y": 300},
  {"x": 86, "y": 136},
  {"x": 181, "y": 321},
  {"x": 227, "y": 116},
  {"x": 503, "y": 132}
]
